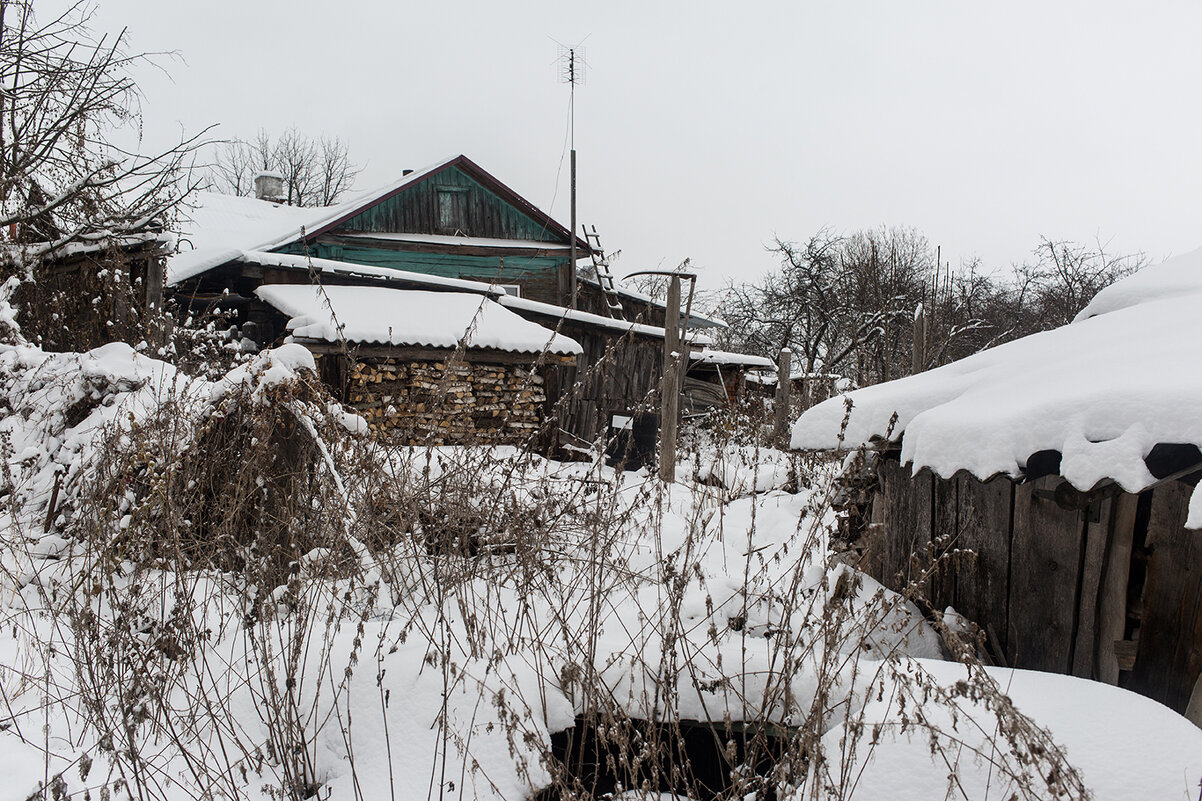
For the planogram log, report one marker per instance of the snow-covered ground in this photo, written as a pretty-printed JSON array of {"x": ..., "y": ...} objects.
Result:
[{"x": 383, "y": 661}]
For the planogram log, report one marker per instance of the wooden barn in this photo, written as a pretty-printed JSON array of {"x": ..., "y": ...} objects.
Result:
[
  {"x": 450, "y": 228},
  {"x": 428, "y": 368},
  {"x": 1045, "y": 488}
]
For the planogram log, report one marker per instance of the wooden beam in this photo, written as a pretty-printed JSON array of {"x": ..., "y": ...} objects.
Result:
[
  {"x": 1045, "y": 568},
  {"x": 1169, "y": 660},
  {"x": 781, "y": 410},
  {"x": 1093, "y": 559},
  {"x": 670, "y": 385},
  {"x": 1112, "y": 601},
  {"x": 439, "y": 248}
]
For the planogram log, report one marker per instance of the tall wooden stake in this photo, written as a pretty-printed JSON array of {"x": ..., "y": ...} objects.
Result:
[
  {"x": 783, "y": 367},
  {"x": 918, "y": 358},
  {"x": 669, "y": 406}
]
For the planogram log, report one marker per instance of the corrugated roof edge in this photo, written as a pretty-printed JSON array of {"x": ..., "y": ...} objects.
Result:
[{"x": 588, "y": 318}]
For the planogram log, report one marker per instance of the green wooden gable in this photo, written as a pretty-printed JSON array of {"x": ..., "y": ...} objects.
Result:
[{"x": 451, "y": 202}]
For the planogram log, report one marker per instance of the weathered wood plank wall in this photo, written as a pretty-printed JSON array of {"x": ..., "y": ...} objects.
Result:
[
  {"x": 620, "y": 374},
  {"x": 1045, "y": 568},
  {"x": 1170, "y": 639},
  {"x": 1053, "y": 588}
]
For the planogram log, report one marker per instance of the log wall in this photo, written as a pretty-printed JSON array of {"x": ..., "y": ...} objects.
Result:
[
  {"x": 421, "y": 402},
  {"x": 1112, "y": 592}
]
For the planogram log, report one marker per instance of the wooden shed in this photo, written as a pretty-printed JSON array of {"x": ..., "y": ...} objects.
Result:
[
  {"x": 428, "y": 368},
  {"x": 1045, "y": 488}
]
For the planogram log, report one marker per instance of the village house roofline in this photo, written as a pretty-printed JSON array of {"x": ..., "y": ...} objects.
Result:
[
  {"x": 402, "y": 278},
  {"x": 337, "y": 215}
]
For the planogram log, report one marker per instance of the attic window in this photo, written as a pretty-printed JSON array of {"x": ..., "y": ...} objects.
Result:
[{"x": 452, "y": 209}]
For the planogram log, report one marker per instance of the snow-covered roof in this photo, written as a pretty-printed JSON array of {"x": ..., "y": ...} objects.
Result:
[
  {"x": 708, "y": 356},
  {"x": 1173, "y": 278},
  {"x": 1101, "y": 391},
  {"x": 588, "y": 318},
  {"x": 380, "y": 315},
  {"x": 216, "y": 224},
  {"x": 696, "y": 320}
]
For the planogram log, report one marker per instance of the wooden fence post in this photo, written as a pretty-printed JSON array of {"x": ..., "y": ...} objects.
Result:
[
  {"x": 918, "y": 359},
  {"x": 670, "y": 385},
  {"x": 781, "y": 420}
]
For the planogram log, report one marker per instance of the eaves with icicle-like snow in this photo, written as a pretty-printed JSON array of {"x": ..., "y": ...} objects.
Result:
[{"x": 1102, "y": 392}]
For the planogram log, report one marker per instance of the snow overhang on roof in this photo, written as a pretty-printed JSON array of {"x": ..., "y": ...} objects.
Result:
[
  {"x": 721, "y": 357},
  {"x": 418, "y": 318},
  {"x": 1105, "y": 394}
]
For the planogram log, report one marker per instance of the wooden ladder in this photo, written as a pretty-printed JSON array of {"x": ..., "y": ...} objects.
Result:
[{"x": 601, "y": 267}]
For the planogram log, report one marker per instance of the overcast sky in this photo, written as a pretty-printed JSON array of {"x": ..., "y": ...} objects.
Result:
[{"x": 705, "y": 129}]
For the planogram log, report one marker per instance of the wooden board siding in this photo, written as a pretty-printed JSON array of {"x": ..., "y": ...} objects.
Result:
[
  {"x": 1098, "y": 533},
  {"x": 1045, "y": 565},
  {"x": 907, "y": 521},
  {"x": 619, "y": 374},
  {"x": 415, "y": 210},
  {"x": 1169, "y": 659},
  {"x": 1112, "y": 601},
  {"x": 983, "y": 579},
  {"x": 1048, "y": 584},
  {"x": 536, "y": 275}
]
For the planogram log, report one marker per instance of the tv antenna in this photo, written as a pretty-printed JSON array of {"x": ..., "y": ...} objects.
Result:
[{"x": 572, "y": 71}]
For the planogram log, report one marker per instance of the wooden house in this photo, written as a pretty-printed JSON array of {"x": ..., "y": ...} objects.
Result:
[
  {"x": 449, "y": 228},
  {"x": 1045, "y": 488}
]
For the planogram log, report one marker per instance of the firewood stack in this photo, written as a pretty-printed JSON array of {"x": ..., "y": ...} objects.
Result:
[{"x": 424, "y": 402}]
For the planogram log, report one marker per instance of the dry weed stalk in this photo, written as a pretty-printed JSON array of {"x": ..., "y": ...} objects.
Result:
[{"x": 233, "y": 573}]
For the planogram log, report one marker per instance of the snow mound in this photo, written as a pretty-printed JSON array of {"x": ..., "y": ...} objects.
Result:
[
  {"x": 1123, "y": 746},
  {"x": 267, "y": 369},
  {"x": 1102, "y": 391},
  {"x": 1174, "y": 278}
]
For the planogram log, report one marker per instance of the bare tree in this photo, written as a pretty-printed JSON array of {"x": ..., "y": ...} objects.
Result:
[
  {"x": 1064, "y": 277},
  {"x": 837, "y": 302},
  {"x": 316, "y": 172},
  {"x": 846, "y": 304},
  {"x": 65, "y": 97}
]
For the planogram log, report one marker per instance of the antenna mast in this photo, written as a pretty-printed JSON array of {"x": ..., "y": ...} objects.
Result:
[{"x": 571, "y": 62}]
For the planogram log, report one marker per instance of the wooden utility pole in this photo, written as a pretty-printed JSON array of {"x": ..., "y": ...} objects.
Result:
[
  {"x": 572, "y": 258},
  {"x": 669, "y": 406},
  {"x": 783, "y": 367}
]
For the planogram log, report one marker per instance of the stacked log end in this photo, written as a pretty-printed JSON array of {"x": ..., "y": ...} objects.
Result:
[{"x": 429, "y": 402}]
